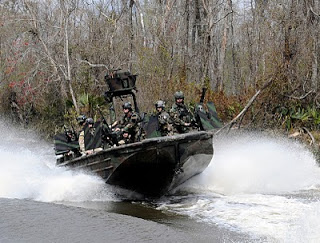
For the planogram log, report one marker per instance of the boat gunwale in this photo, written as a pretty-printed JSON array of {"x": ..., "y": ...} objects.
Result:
[{"x": 132, "y": 147}]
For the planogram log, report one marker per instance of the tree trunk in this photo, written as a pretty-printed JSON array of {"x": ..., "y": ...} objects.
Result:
[{"x": 222, "y": 55}]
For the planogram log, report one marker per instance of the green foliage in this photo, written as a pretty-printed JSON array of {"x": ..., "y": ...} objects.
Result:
[
  {"x": 88, "y": 103},
  {"x": 299, "y": 116},
  {"x": 231, "y": 110}
]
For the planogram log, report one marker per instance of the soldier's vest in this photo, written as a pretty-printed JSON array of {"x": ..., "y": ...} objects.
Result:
[
  {"x": 183, "y": 113},
  {"x": 165, "y": 126},
  {"x": 132, "y": 124},
  {"x": 180, "y": 114}
]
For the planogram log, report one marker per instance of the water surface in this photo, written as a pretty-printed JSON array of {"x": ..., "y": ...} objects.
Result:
[{"x": 256, "y": 189}]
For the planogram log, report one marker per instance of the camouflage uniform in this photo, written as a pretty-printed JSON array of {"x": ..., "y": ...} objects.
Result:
[
  {"x": 164, "y": 121},
  {"x": 131, "y": 124},
  {"x": 81, "y": 142},
  {"x": 165, "y": 124},
  {"x": 124, "y": 139},
  {"x": 181, "y": 115},
  {"x": 81, "y": 121}
]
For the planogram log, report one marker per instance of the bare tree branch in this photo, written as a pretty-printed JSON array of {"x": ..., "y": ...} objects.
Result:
[
  {"x": 94, "y": 65},
  {"x": 313, "y": 141},
  {"x": 245, "y": 109},
  {"x": 214, "y": 23},
  {"x": 301, "y": 97}
]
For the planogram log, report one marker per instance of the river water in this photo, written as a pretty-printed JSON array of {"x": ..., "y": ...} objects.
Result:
[{"x": 256, "y": 189}]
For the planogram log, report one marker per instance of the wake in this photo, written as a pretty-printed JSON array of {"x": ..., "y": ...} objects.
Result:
[
  {"x": 28, "y": 171},
  {"x": 255, "y": 163}
]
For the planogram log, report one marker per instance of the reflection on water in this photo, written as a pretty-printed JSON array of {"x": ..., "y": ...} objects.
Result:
[
  {"x": 260, "y": 187},
  {"x": 29, "y": 221}
]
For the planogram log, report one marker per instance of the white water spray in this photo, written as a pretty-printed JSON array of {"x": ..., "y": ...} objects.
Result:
[
  {"x": 28, "y": 171},
  {"x": 253, "y": 163},
  {"x": 259, "y": 185},
  {"x": 268, "y": 187}
]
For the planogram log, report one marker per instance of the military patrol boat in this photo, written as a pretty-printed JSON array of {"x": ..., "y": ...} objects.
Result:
[{"x": 151, "y": 167}]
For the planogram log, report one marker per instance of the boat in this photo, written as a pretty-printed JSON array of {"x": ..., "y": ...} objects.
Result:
[{"x": 152, "y": 167}]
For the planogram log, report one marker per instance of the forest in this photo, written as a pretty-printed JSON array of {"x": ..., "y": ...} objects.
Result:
[{"x": 55, "y": 54}]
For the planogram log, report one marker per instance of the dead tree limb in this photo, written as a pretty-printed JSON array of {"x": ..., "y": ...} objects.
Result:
[
  {"x": 313, "y": 141},
  {"x": 93, "y": 65},
  {"x": 245, "y": 109},
  {"x": 301, "y": 97}
]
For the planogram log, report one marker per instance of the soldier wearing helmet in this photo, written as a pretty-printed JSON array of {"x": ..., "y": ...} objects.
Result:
[
  {"x": 82, "y": 122},
  {"x": 130, "y": 122},
  {"x": 125, "y": 137},
  {"x": 91, "y": 128},
  {"x": 181, "y": 115},
  {"x": 164, "y": 121},
  {"x": 90, "y": 121},
  {"x": 127, "y": 106}
]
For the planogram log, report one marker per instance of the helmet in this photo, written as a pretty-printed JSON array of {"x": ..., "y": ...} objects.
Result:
[
  {"x": 125, "y": 130},
  {"x": 127, "y": 105},
  {"x": 89, "y": 120},
  {"x": 81, "y": 119},
  {"x": 178, "y": 95},
  {"x": 160, "y": 104}
]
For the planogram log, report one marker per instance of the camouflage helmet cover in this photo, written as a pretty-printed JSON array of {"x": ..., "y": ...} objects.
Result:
[
  {"x": 81, "y": 119},
  {"x": 125, "y": 130},
  {"x": 178, "y": 95},
  {"x": 160, "y": 104},
  {"x": 90, "y": 120},
  {"x": 127, "y": 105}
]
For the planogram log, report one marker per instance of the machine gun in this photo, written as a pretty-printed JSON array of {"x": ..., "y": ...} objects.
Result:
[
  {"x": 207, "y": 120},
  {"x": 107, "y": 134},
  {"x": 204, "y": 90},
  {"x": 199, "y": 106},
  {"x": 196, "y": 121},
  {"x": 199, "y": 113}
]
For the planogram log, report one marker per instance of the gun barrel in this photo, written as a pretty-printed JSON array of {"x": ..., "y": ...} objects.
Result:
[{"x": 204, "y": 90}]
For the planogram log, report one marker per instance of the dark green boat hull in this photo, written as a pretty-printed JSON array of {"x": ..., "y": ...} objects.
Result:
[{"x": 152, "y": 167}]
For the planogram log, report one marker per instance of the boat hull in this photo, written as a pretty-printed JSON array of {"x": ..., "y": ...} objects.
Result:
[{"x": 151, "y": 167}]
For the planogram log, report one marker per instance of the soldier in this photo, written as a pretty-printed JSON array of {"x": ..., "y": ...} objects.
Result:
[
  {"x": 125, "y": 137},
  {"x": 130, "y": 121},
  {"x": 181, "y": 116},
  {"x": 164, "y": 121},
  {"x": 91, "y": 131},
  {"x": 82, "y": 122},
  {"x": 90, "y": 123}
]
